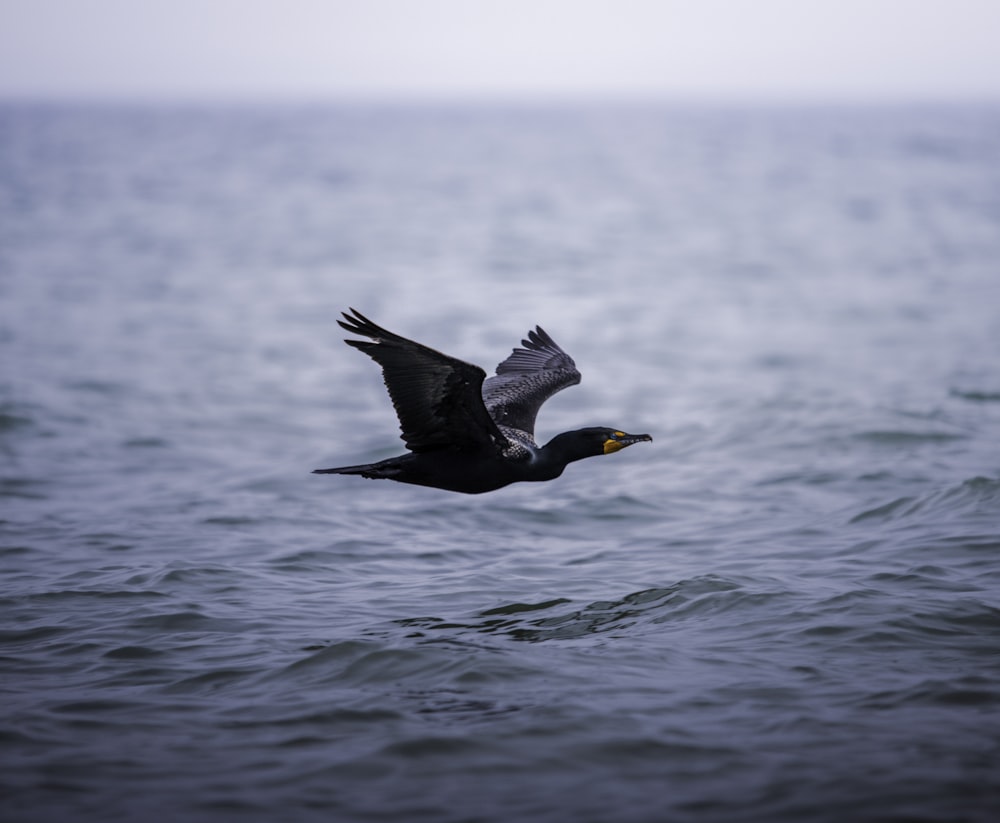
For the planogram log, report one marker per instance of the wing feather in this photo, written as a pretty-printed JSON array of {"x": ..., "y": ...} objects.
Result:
[
  {"x": 526, "y": 379},
  {"x": 438, "y": 399}
]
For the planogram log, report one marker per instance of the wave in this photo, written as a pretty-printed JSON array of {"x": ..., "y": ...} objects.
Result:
[
  {"x": 977, "y": 495},
  {"x": 708, "y": 594},
  {"x": 976, "y": 396}
]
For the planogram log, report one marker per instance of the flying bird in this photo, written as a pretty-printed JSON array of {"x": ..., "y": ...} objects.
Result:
[{"x": 469, "y": 434}]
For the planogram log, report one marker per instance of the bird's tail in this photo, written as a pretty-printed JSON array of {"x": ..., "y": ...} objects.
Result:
[
  {"x": 385, "y": 469},
  {"x": 365, "y": 470},
  {"x": 345, "y": 469}
]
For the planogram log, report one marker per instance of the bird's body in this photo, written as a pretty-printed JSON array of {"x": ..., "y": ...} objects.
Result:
[{"x": 469, "y": 434}]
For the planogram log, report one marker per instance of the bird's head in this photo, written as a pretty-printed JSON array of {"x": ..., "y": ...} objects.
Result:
[
  {"x": 597, "y": 440},
  {"x": 613, "y": 440}
]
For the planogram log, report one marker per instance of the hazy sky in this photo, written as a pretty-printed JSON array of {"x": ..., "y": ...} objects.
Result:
[{"x": 707, "y": 49}]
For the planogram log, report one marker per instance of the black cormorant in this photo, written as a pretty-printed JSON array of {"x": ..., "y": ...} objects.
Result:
[{"x": 468, "y": 434}]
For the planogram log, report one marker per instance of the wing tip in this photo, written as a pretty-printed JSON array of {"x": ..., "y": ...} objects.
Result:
[
  {"x": 356, "y": 323},
  {"x": 540, "y": 340}
]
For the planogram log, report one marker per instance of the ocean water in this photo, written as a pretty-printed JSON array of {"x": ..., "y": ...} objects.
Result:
[{"x": 785, "y": 608}]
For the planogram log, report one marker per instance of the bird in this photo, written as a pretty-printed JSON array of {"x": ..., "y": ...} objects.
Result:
[{"x": 466, "y": 433}]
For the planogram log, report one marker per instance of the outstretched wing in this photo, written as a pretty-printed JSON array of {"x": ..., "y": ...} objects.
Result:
[
  {"x": 438, "y": 399},
  {"x": 526, "y": 379}
]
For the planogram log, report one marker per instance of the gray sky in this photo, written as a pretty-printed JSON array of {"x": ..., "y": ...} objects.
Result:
[{"x": 306, "y": 49}]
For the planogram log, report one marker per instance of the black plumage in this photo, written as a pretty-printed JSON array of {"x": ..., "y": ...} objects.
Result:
[{"x": 469, "y": 434}]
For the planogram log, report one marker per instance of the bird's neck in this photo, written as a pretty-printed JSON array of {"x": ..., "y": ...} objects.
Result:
[{"x": 561, "y": 450}]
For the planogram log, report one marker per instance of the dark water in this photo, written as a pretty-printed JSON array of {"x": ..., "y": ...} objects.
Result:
[{"x": 787, "y": 607}]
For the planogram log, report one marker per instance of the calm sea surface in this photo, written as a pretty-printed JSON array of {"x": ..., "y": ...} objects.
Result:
[{"x": 785, "y": 608}]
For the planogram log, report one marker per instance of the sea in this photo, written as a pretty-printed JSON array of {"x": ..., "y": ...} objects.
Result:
[{"x": 784, "y": 608}]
